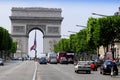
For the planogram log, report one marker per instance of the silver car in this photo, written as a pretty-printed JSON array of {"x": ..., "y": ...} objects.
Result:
[
  {"x": 82, "y": 66},
  {"x": 53, "y": 60}
]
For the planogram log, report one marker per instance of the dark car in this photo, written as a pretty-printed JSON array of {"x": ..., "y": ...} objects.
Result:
[
  {"x": 43, "y": 60},
  {"x": 99, "y": 62},
  {"x": 1, "y": 61},
  {"x": 63, "y": 60},
  {"x": 107, "y": 66}
]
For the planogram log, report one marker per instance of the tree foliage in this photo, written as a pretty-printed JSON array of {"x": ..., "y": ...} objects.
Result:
[
  {"x": 99, "y": 31},
  {"x": 6, "y": 42}
]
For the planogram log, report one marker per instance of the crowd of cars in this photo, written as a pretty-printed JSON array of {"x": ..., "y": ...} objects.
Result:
[
  {"x": 52, "y": 60},
  {"x": 106, "y": 67}
]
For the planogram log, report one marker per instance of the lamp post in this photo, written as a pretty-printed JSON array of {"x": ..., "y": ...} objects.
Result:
[
  {"x": 35, "y": 55},
  {"x": 66, "y": 35},
  {"x": 99, "y": 14},
  {"x": 72, "y": 31},
  {"x": 80, "y": 26}
]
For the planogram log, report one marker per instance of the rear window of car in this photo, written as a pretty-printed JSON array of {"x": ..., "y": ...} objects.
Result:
[
  {"x": 109, "y": 63},
  {"x": 82, "y": 63}
]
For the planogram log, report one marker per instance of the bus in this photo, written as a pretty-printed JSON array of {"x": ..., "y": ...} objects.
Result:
[{"x": 61, "y": 54}]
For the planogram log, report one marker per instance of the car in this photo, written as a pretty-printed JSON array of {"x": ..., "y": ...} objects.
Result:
[
  {"x": 53, "y": 60},
  {"x": 63, "y": 60},
  {"x": 107, "y": 66},
  {"x": 99, "y": 62},
  {"x": 82, "y": 66},
  {"x": 1, "y": 61},
  {"x": 43, "y": 60}
]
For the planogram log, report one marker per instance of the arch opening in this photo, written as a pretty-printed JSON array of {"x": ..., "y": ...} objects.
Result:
[{"x": 39, "y": 42}]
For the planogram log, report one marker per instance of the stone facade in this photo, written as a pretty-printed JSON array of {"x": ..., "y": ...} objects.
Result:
[{"x": 24, "y": 20}]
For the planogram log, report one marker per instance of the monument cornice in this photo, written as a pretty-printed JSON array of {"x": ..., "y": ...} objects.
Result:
[
  {"x": 36, "y": 9},
  {"x": 35, "y": 18}
]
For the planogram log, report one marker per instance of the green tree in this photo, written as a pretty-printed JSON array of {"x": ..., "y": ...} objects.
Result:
[{"x": 6, "y": 41}]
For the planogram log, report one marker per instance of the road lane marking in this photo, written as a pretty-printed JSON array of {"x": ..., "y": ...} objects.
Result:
[{"x": 34, "y": 76}]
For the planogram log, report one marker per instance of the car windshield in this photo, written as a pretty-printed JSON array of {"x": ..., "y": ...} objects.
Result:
[{"x": 42, "y": 58}]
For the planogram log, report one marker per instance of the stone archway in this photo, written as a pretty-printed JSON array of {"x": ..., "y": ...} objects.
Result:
[{"x": 47, "y": 20}]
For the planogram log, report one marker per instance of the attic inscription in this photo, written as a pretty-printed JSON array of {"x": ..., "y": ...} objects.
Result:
[{"x": 53, "y": 29}]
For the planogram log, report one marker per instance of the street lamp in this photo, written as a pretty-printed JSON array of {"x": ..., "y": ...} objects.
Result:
[
  {"x": 66, "y": 35},
  {"x": 80, "y": 26},
  {"x": 72, "y": 31},
  {"x": 99, "y": 14}
]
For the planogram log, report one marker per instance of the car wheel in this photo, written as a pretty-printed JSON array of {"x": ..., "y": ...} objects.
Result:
[
  {"x": 103, "y": 72},
  {"x": 89, "y": 72},
  {"x": 116, "y": 73},
  {"x": 77, "y": 71}
]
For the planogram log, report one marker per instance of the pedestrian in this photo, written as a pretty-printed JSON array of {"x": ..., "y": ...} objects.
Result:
[{"x": 93, "y": 66}]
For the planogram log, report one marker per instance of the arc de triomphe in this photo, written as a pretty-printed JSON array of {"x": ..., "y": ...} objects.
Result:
[{"x": 26, "y": 19}]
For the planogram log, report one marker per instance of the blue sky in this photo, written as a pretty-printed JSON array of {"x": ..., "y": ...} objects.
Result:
[
  {"x": 74, "y": 12},
  {"x": 67, "y": 1}
]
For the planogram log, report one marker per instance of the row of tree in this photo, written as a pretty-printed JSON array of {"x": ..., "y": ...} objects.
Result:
[
  {"x": 7, "y": 46},
  {"x": 98, "y": 32}
]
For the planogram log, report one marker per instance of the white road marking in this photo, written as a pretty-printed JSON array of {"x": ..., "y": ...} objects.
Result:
[{"x": 34, "y": 76}]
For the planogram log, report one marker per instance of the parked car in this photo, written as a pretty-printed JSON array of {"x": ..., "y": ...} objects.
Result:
[
  {"x": 63, "y": 60},
  {"x": 106, "y": 67},
  {"x": 1, "y": 61},
  {"x": 53, "y": 60},
  {"x": 82, "y": 66},
  {"x": 99, "y": 62},
  {"x": 43, "y": 60}
]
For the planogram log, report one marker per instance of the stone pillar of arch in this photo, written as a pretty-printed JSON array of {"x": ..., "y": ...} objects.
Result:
[{"x": 26, "y": 19}]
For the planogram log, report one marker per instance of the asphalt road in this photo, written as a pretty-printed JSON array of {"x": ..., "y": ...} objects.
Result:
[
  {"x": 25, "y": 70},
  {"x": 17, "y": 70},
  {"x": 66, "y": 72}
]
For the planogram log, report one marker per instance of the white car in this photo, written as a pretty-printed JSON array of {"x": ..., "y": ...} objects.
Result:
[{"x": 82, "y": 66}]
